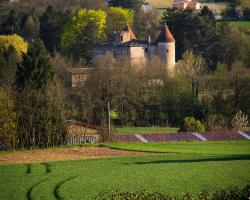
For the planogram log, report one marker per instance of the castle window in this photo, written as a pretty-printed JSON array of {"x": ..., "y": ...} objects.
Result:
[
  {"x": 121, "y": 38},
  {"x": 146, "y": 50},
  {"x": 167, "y": 50}
]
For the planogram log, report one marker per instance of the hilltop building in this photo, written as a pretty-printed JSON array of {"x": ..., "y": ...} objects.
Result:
[
  {"x": 136, "y": 51},
  {"x": 187, "y": 4}
]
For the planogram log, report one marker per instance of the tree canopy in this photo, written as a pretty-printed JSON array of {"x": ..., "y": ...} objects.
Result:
[
  {"x": 15, "y": 41},
  {"x": 117, "y": 19},
  {"x": 84, "y": 29},
  {"x": 130, "y": 4}
]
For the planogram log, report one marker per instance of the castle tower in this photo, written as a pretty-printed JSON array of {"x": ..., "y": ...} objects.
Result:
[
  {"x": 166, "y": 49},
  {"x": 125, "y": 36}
]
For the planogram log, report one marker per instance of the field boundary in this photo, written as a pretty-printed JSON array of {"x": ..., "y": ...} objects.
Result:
[{"x": 184, "y": 136}]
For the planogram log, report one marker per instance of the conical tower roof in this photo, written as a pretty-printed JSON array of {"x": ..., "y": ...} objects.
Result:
[
  {"x": 165, "y": 35},
  {"x": 131, "y": 33}
]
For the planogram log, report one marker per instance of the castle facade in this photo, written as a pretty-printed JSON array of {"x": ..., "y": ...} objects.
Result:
[{"x": 136, "y": 51}]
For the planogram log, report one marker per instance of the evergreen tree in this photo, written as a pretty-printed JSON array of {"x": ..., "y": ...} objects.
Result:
[
  {"x": 194, "y": 31},
  {"x": 51, "y": 27},
  {"x": 38, "y": 101},
  {"x": 30, "y": 26},
  {"x": 35, "y": 68},
  {"x": 10, "y": 26}
]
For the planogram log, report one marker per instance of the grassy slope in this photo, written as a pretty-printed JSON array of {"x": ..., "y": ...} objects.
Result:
[
  {"x": 215, "y": 7},
  {"x": 161, "y": 3},
  {"x": 134, "y": 130},
  {"x": 243, "y": 24},
  {"x": 174, "y": 174}
]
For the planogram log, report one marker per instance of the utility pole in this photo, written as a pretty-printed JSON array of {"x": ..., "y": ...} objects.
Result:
[{"x": 109, "y": 118}]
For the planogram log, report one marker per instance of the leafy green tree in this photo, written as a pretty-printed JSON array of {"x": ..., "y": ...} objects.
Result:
[
  {"x": 117, "y": 19},
  {"x": 193, "y": 68},
  {"x": 237, "y": 49},
  {"x": 35, "y": 68},
  {"x": 85, "y": 28},
  {"x": 130, "y": 4},
  {"x": 147, "y": 23},
  {"x": 178, "y": 102},
  {"x": 51, "y": 27}
]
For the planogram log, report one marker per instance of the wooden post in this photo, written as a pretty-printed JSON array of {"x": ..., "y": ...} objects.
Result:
[{"x": 109, "y": 118}]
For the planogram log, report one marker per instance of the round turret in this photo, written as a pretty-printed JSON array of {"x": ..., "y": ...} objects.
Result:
[{"x": 166, "y": 48}]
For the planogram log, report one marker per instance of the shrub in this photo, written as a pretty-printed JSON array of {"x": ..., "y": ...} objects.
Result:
[
  {"x": 139, "y": 195},
  {"x": 8, "y": 119},
  {"x": 233, "y": 193},
  {"x": 240, "y": 121},
  {"x": 191, "y": 124},
  {"x": 216, "y": 123}
]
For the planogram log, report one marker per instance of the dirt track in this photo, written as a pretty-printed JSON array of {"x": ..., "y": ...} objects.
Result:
[{"x": 56, "y": 154}]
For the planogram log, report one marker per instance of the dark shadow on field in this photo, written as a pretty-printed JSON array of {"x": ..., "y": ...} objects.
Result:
[
  {"x": 57, "y": 187},
  {"x": 224, "y": 158}
]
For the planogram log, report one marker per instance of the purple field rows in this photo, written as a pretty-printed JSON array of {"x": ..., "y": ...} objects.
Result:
[
  {"x": 170, "y": 137},
  {"x": 128, "y": 138},
  {"x": 217, "y": 136},
  {"x": 210, "y": 136}
]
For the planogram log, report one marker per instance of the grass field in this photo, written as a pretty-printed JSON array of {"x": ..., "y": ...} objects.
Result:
[
  {"x": 167, "y": 173},
  {"x": 161, "y": 3},
  {"x": 208, "y": 148},
  {"x": 242, "y": 24},
  {"x": 141, "y": 130}
]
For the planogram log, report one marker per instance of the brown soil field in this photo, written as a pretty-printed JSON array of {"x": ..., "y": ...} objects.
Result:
[{"x": 59, "y": 154}]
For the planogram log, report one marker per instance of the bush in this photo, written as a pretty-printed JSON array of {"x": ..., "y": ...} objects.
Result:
[
  {"x": 240, "y": 121},
  {"x": 233, "y": 193},
  {"x": 216, "y": 123},
  {"x": 191, "y": 125},
  {"x": 139, "y": 195}
]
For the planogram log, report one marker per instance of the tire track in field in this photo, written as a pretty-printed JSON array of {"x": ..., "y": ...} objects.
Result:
[
  {"x": 28, "y": 168},
  {"x": 47, "y": 167},
  {"x": 57, "y": 187},
  {"x": 29, "y": 192}
]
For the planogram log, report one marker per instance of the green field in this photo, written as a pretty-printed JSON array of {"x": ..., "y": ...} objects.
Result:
[
  {"x": 161, "y": 3},
  {"x": 242, "y": 24},
  {"x": 141, "y": 130},
  {"x": 208, "y": 148},
  {"x": 174, "y": 174}
]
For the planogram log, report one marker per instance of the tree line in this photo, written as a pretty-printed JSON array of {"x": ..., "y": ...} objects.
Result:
[{"x": 211, "y": 82}]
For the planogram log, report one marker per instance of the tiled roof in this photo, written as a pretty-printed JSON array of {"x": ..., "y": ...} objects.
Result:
[
  {"x": 131, "y": 43},
  {"x": 131, "y": 33},
  {"x": 165, "y": 35}
]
